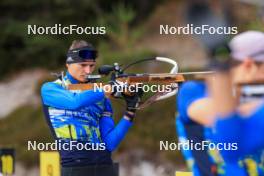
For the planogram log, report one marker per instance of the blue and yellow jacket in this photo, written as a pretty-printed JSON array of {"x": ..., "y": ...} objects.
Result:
[
  {"x": 83, "y": 116},
  {"x": 247, "y": 132},
  {"x": 211, "y": 162}
]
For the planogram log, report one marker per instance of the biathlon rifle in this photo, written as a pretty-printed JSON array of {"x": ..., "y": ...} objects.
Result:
[{"x": 120, "y": 77}]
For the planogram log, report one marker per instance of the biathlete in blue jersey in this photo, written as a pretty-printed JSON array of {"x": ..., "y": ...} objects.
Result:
[
  {"x": 198, "y": 109},
  {"x": 240, "y": 114},
  {"x": 82, "y": 121},
  {"x": 193, "y": 125}
]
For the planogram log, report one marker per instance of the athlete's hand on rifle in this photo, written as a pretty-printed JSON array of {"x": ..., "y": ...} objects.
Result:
[
  {"x": 117, "y": 88},
  {"x": 133, "y": 99}
]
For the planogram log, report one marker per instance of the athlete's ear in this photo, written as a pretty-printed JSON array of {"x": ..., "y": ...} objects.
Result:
[{"x": 67, "y": 65}]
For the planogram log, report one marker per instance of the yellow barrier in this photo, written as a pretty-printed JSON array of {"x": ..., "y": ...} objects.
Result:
[
  {"x": 177, "y": 173},
  {"x": 7, "y": 161},
  {"x": 49, "y": 164}
]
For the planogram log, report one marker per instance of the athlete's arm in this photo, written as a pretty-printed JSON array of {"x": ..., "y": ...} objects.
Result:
[
  {"x": 112, "y": 135},
  {"x": 56, "y": 96},
  {"x": 202, "y": 111},
  {"x": 193, "y": 103},
  {"x": 221, "y": 92}
]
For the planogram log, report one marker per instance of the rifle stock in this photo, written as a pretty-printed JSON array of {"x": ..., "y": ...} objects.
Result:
[
  {"x": 91, "y": 86},
  {"x": 144, "y": 78}
]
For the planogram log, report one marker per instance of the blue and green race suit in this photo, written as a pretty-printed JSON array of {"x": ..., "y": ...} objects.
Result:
[
  {"x": 247, "y": 132},
  {"x": 82, "y": 116},
  {"x": 203, "y": 162},
  {"x": 200, "y": 162}
]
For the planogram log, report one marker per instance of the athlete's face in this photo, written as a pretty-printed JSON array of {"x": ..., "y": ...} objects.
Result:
[
  {"x": 80, "y": 70},
  {"x": 247, "y": 71}
]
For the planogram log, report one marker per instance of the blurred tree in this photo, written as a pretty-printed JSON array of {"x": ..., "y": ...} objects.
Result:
[
  {"x": 48, "y": 51},
  {"x": 119, "y": 28}
]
